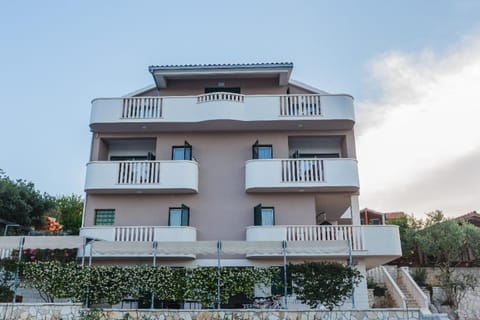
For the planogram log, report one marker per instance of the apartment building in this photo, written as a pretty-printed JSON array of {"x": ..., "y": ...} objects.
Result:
[{"x": 236, "y": 153}]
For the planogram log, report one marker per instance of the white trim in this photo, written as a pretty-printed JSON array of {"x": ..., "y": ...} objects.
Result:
[
  {"x": 306, "y": 86},
  {"x": 136, "y": 92}
]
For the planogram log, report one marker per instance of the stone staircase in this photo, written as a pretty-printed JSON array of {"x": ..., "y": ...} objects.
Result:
[{"x": 410, "y": 300}]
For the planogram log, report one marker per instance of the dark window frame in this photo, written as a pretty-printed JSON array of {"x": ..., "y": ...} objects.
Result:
[
  {"x": 237, "y": 90},
  {"x": 255, "y": 150},
  {"x": 186, "y": 155},
  {"x": 258, "y": 215},
  {"x": 184, "y": 218}
]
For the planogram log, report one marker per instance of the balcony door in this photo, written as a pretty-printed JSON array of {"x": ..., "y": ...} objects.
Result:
[{"x": 223, "y": 89}]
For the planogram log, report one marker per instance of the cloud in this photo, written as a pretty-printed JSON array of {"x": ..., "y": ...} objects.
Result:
[{"x": 419, "y": 141}]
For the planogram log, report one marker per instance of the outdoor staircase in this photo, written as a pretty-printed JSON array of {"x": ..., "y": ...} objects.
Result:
[{"x": 410, "y": 300}]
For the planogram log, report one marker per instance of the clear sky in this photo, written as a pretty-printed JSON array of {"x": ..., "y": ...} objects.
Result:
[{"x": 413, "y": 67}]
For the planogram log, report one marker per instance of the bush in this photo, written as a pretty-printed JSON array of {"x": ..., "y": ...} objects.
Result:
[{"x": 420, "y": 276}]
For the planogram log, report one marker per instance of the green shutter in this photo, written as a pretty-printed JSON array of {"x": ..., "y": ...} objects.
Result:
[
  {"x": 255, "y": 150},
  {"x": 187, "y": 155},
  {"x": 257, "y": 215},
  {"x": 185, "y": 215}
]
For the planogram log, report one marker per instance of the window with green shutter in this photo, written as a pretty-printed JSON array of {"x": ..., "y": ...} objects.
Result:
[
  {"x": 179, "y": 217},
  {"x": 182, "y": 152},
  {"x": 104, "y": 217},
  {"x": 262, "y": 151},
  {"x": 264, "y": 216}
]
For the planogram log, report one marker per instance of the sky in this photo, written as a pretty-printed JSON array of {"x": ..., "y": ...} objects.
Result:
[{"x": 412, "y": 66}]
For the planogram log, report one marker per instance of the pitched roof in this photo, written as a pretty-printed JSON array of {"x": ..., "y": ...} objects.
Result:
[
  {"x": 161, "y": 74},
  {"x": 472, "y": 217},
  {"x": 222, "y": 66}
]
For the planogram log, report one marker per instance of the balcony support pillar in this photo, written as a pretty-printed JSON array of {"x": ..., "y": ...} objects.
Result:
[{"x": 355, "y": 210}]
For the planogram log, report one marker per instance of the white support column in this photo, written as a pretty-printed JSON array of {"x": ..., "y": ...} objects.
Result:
[{"x": 355, "y": 210}]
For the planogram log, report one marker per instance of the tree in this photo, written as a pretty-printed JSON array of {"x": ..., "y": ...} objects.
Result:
[
  {"x": 325, "y": 283},
  {"x": 444, "y": 243},
  {"x": 408, "y": 228},
  {"x": 70, "y": 210},
  {"x": 21, "y": 203}
]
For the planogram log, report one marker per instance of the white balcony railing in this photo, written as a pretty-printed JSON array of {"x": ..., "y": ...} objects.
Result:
[
  {"x": 308, "y": 170},
  {"x": 224, "y": 106},
  {"x": 140, "y": 233},
  {"x": 327, "y": 233},
  {"x": 142, "y": 108},
  {"x": 300, "y": 105},
  {"x": 155, "y": 176},
  {"x": 220, "y": 96},
  {"x": 374, "y": 241},
  {"x": 139, "y": 172},
  {"x": 301, "y": 174},
  {"x": 308, "y": 233}
]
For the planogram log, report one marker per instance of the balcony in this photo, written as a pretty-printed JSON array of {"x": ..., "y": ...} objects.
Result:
[
  {"x": 179, "y": 176},
  {"x": 374, "y": 244},
  {"x": 223, "y": 111},
  {"x": 140, "y": 235},
  {"x": 302, "y": 175}
]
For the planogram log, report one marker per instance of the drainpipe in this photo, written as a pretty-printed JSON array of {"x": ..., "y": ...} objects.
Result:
[
  {"x": 155, "y": 245},
  {"x": 219, "y": 273},
  {"x": 285, "y": 291}
]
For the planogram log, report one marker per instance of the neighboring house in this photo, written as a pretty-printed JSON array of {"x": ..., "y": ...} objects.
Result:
[
  {"x": 370, "y": 216},
  {"x": 471, "y": 217},
  {"x": 238, "y": 153}
]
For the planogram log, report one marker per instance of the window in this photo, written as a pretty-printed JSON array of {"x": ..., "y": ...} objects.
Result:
[
  {"x": 104, "y": 217},
  {"x": 264, "y": 216},
  {"x": 223, "y": 89},
  {"x": 262, "y": 151},
  {"x": 374, "y": 221},
  {"x": 182, "y": 152},
  {"x": 179, "y": 216},
  {"x": 298, "y": 155}
]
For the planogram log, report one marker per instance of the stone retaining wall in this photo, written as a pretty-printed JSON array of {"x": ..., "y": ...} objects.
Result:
[
  {"x": 40, "y": 311},
  {"x": 37, "y": 311}
]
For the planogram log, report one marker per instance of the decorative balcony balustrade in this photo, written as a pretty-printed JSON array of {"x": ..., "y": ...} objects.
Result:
[
  {"x": 300, "y": 105},
  {"x": 327, "y": 233},
  {"x": 134, "y": 234},
  {"x": 378, "y": 244},
  {"x": 286, "y": 175},
  {"x": 139, "y": 172},
  {"x": 142, "y": 108},
  {"x": 220, "y": 96},
  {"x": 140, "y": 233},
  {"x": 296, "y": 170},
  {"x": 166, "y": 176},
  {"x": 235, "y": 111}
]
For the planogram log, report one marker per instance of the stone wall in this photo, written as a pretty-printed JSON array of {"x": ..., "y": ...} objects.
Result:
[
  {"x": 469, "y": 307},
  {"x": 37, "y": 311}
]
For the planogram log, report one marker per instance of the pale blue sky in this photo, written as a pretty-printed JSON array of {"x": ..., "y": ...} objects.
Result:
[{"x": 56, "y": 56}]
